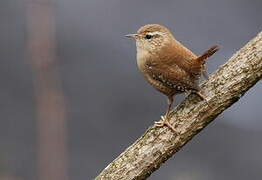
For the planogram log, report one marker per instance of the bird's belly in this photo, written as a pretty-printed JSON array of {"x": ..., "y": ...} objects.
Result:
[
  {"x": 142, "y": 58},
  {"x": 160, "y": 86}
]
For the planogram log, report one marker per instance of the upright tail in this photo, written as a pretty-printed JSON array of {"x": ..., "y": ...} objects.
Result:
[
  {"x": 201, "y": 59},
  {"x": 208, "y": 53}
]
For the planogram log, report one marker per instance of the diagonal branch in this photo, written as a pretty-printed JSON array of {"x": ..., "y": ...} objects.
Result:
[{"x": 224, "y": 88}]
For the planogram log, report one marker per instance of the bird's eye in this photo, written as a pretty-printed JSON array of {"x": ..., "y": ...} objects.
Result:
[{"x": 148, "y": 36}]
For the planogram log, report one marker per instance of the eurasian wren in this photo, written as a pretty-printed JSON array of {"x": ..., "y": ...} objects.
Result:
[{"x": 167, "y": 65}]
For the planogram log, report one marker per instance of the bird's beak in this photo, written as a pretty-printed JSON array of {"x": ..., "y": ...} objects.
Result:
[{"x": 134, "y": 36}]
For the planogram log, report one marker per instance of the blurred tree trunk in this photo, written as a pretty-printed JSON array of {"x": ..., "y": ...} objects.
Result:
[
  {"x": 224, "y": 88},
  {"x": 51, "y": 120}
]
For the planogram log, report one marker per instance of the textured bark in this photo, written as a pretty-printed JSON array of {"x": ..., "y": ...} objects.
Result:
[{"x": 224, "y": 88}]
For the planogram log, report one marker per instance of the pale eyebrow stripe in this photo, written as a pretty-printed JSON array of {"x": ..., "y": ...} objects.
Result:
[{"x": 155, "y": 33}]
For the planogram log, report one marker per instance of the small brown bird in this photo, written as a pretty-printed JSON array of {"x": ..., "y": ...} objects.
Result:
[{"x": 167, "y": 65}]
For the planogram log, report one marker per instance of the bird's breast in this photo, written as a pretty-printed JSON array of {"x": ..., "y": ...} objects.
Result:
[{"x": 142, "y": 57}]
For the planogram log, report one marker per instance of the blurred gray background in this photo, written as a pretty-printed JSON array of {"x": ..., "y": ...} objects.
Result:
[{"x": 109, "y": 105}]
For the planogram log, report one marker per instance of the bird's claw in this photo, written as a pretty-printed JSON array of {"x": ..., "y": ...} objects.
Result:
[{"x": 164, "y": 122}]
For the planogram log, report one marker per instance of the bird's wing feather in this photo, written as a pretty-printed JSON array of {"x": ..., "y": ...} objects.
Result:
[
  {"x": 184, "y": 58},
  {"x": 171, "y": 75}
]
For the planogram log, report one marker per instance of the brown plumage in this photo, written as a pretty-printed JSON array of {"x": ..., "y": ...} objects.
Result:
[{"x": 167, "y": 65}]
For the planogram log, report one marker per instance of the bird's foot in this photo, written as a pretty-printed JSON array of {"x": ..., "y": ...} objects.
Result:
[
  {"x": 165, "y": 122},
  {"x": 202, "y": 96}
]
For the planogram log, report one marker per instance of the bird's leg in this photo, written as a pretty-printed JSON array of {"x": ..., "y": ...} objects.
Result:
[
  {"x": 165, "y": 118},
  {"x": 199, "y": 94},
  {"x": 203, "y": 97}
]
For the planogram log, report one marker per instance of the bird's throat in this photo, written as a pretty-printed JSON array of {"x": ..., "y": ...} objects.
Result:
[{"x": 142, "y": 57}]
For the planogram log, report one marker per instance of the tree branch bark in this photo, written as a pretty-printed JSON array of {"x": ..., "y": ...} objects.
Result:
[{"x": 224, "y": 88}]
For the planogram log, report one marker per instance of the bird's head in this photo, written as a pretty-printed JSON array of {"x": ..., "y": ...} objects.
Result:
[{"x": 152, "y": 38}]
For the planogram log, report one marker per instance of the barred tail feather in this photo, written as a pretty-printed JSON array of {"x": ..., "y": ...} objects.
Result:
[
  {"x": 208, "y": 53},
  {"x": 201, "y": 59}
]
